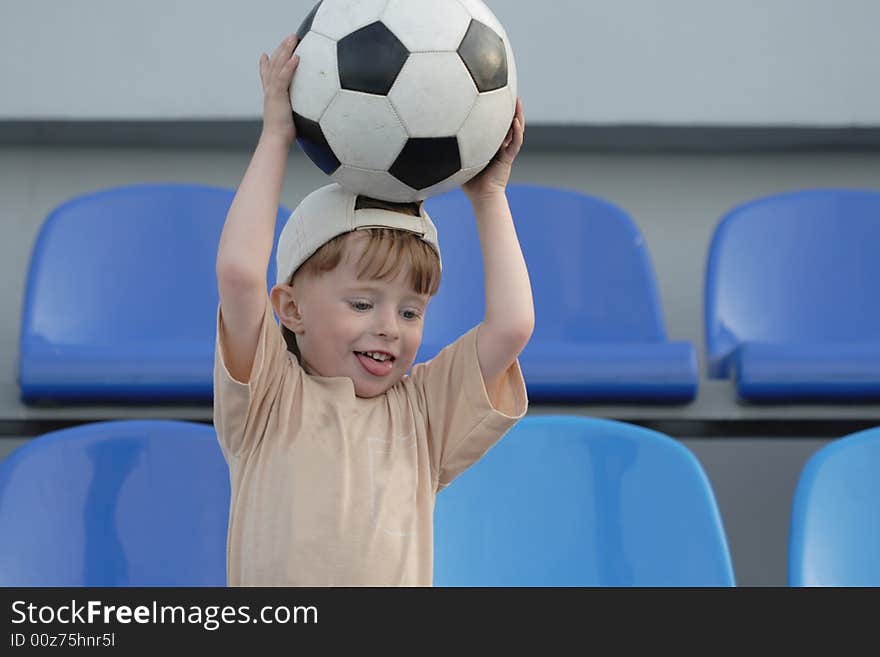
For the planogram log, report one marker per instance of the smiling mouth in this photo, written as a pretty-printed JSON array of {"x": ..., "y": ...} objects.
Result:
[
  {"x": 373, "y": 367},
  {"x": 387, "y": 357}
]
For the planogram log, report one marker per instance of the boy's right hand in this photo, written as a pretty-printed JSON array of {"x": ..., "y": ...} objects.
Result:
[{"x": 276, "y": 72}]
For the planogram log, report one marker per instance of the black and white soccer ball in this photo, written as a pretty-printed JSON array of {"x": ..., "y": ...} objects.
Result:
[{"x": 402, "y": 99}]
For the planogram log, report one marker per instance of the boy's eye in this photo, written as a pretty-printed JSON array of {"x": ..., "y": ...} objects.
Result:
[
  {"x": 411, "y": 314},
  {"x": 360, "y": 305}
]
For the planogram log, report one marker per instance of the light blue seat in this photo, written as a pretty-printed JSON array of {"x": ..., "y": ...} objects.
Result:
[
  {"x": 123, "y": 503},
  {"x": 791, "y": 301},
  {"x": 599, "y": 329},
  {"x": 574, "y": 501},
  {"x": 834, "y": 538},
  {"x": 121, "y": 297}
]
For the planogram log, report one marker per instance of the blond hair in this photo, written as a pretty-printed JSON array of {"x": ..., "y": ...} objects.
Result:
[{"x": 386, "y": 252}]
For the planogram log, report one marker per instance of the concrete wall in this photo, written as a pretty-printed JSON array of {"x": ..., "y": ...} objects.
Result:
[{"x": 679, "y": 62}]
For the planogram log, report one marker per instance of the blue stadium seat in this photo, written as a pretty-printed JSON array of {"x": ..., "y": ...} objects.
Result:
[
  {"x": 599, "y": 328},
  {"x": 575, "y": 501},
  {"x": 121, "y": 296},
  {"x": 122, "y": 503},
  {"x": 834, "y": 539},
  {"x": 791, "y": 297}
]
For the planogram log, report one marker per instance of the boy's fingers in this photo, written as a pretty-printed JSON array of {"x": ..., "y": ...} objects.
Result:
[
  {"x": 520, "y": 114},
  {"x": 286, "y": 47},
  {"x": 264, "y": 65},
  {"x": 286, "y": 51},
  {"x": 277, "y": 50},
  {"x": 515, "y": 148},
  {"x": 290, "y": 67}
]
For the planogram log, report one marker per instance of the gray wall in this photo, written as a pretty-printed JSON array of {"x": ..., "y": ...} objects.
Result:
[{"x": 679, "y": 62}]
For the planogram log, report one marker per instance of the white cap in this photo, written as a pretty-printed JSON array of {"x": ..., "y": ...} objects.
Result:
[{"x": 330, "y": 211}]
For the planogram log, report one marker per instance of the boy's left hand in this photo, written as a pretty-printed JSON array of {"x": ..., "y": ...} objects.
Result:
[{"x": 493, "y": 179}]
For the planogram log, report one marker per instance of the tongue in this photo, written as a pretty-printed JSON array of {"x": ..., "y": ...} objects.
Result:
[{"x": 374, "y": 367}]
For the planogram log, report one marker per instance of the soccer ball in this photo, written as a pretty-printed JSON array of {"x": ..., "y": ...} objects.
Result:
[{"x": 402, "y": 99}]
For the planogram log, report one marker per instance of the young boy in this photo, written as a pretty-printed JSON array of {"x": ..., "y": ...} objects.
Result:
[{"x": 335, "y": 454}]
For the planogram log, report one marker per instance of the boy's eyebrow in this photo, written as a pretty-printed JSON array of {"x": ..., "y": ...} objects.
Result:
[{"x": 373, "y": 288}]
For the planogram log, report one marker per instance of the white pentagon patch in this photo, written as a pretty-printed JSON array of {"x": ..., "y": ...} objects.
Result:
[
  {"x": 433, "y": 94},
  {"x": 316, "y": 80},
  {"x": 427, "y": 25},
  {"x": 485, "y": 128},
  {"x": 456, "y": 180},
  {"x": 363, "y": 130},
  {"x": 379, "y": 184},
  {"x": 480, "y": 12},
  {"x": 338, "y": 18}
]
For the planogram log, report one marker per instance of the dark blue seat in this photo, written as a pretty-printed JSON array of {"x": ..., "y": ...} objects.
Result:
[
  {"x": 599, "y": 329},
  {"x": 575, "y": 501},
  {"x": 123, "y": 503},
  {"x": 121, "y": 296},
  {"x": 791, "y": 302},
  {"x": 834, "y": 539}
]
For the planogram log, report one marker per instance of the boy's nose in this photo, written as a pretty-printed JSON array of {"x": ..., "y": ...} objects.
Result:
[{"x": 386, "y": 324}]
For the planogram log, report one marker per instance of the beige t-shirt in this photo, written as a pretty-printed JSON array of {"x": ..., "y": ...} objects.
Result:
[{"x": 330, "y": 489}]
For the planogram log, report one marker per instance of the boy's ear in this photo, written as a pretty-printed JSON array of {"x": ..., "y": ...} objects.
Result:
[{"x": 287, "y": 308}]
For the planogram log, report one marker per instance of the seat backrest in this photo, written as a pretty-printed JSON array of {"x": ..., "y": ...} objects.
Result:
[
  {"x": 793, "y": 268},
  {"x": 128, "y": 270},
  {"x": 834, "y": 538},
  {"x": 591, "y": 275},
  {"x": 122, "y": 503},
  {"x": 574, "y": 501}
]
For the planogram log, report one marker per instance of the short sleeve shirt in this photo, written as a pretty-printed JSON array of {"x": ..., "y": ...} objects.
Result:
[{"x": 330, "y": 489}]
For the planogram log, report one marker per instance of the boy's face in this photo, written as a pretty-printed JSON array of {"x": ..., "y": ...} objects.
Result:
[{"x": 340, "y": 318}]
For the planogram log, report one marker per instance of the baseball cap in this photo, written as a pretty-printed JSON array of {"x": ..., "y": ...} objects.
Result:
[{"x": 330, "y": 211}]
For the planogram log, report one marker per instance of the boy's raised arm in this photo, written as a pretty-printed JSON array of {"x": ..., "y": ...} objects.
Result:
[
  {"x": 510, "y": 314},
  {"x": 249, "y": 229}
]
